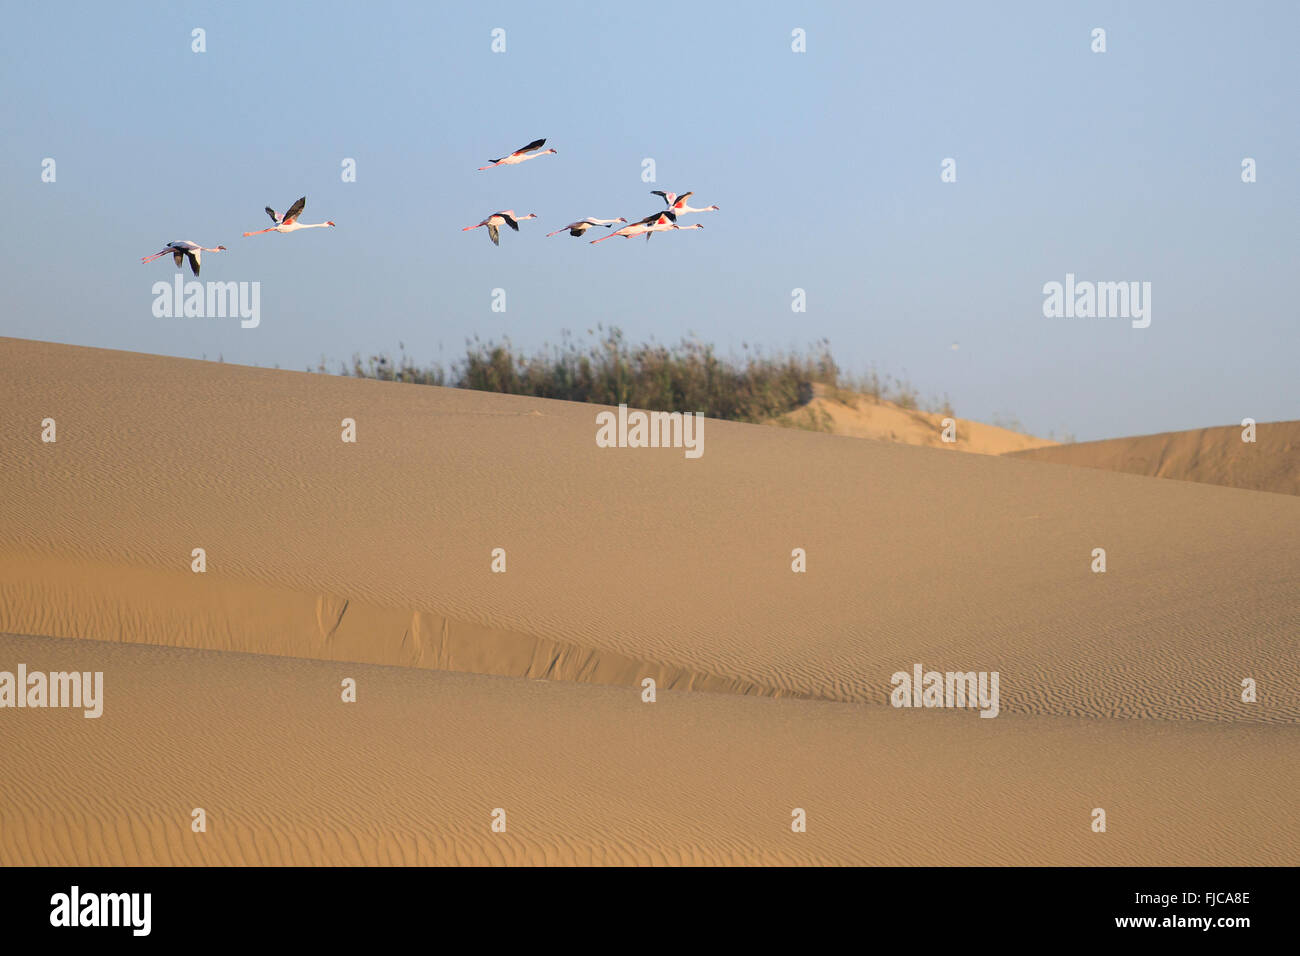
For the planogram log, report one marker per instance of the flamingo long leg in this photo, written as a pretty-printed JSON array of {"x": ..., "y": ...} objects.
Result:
[
  {"x": 155, "y": 255},
  {"x": 260, "y": 231}
]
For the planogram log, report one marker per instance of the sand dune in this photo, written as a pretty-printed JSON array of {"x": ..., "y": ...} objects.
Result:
[
  {"x": 1216, "y": 456},
  {"x": 839, "y": 412},
  {"x": 1119, "y": 690}
]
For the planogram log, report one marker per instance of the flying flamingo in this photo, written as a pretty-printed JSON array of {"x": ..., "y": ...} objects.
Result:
[
  {"x": 184, "y": 250},
  {"x": 495, "y": 221},
  {"x": 655, "y": 222},
  {"x": 576, "y": 229},
  {"x": 678, "y": 203},
  {"x": 519, "y": 155},
  {"x": 289, "y": 221}
]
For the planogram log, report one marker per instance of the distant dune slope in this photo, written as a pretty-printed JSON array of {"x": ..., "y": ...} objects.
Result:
[
  {"x": 839, "y": 412},
  {"x": 1216, "y": 456}
]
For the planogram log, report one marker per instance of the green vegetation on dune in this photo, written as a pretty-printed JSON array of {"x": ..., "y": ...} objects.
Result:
[{"x": 607, "y": 370}]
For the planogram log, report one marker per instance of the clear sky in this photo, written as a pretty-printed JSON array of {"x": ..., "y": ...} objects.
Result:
[{"x": 1123, "y": 165}]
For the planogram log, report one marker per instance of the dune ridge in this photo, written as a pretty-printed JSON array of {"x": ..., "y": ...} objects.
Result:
[{"x": 43, "y": 595}]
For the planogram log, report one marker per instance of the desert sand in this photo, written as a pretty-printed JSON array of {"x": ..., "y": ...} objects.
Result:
[
  {"x": 521, "y": 690},
  {"x": 1217, "y": 456}
]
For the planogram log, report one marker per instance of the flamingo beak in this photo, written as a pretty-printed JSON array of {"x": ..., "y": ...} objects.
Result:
[{"x": 330, "y": 223}]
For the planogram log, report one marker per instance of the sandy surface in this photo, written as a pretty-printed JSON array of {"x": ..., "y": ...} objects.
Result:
[
  {"x": 373, "y": 560},
  {"x": 1217, "y": 456}
]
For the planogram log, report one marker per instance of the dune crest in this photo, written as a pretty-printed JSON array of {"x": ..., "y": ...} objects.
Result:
[{"x": 1215, "y": 456}]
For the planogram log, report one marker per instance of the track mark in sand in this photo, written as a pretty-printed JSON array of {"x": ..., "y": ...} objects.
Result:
[
  {"x": 329, "y": 614},
  {"x": 425, "y": 642},
  {"x": 413, "y": 642},
  {"x": 149, "y": 606}
]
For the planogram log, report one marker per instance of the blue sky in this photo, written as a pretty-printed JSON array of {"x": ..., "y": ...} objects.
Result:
[{"x": 1124, "y": 165}]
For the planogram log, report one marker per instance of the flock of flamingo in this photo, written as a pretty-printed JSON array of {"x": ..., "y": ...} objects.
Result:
[{"x": 665, "y": 220}]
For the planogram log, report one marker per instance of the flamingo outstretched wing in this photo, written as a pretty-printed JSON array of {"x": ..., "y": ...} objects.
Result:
[
  {"x": 655, "y": 217},
  {"x": 294, "y": 212}
]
